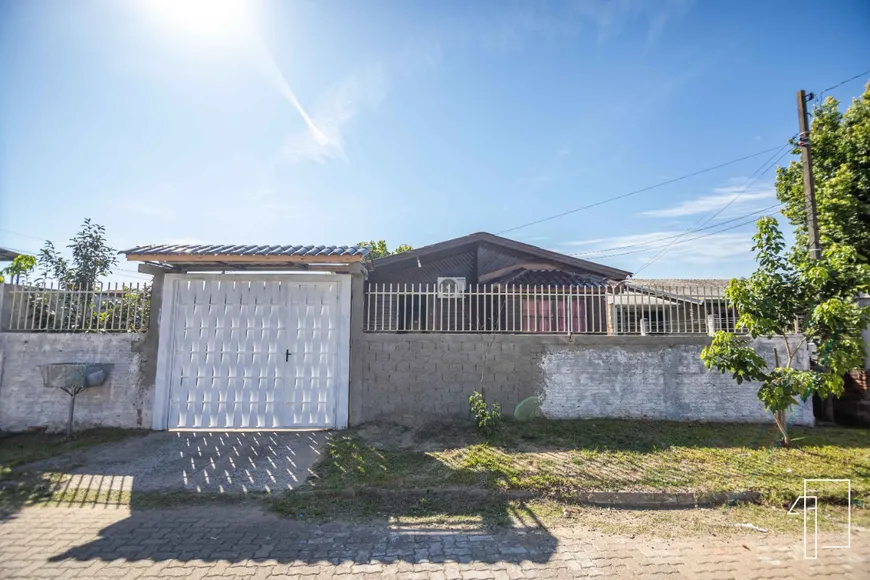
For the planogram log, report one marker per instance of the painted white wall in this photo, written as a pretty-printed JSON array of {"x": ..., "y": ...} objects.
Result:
[
  {"x": 122, "y": 401},
  {"x": 654, "y": 383}
]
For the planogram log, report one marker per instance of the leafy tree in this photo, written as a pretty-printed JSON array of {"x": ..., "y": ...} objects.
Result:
[
  {"x": 91, "y": 258},
  {"x": 19, "y": 269},
  {"x": 379, "y": 249},
  {"x": 821, "y": 295},
  {"x": 841, "y": 169}
]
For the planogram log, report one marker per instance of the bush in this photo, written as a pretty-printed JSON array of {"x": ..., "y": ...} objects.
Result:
[{"x": 487, "y": 418}]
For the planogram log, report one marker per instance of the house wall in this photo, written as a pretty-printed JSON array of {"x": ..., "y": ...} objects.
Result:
[
  {"x": 420, "y": 376},
  {"x": 124, "y": 400}
]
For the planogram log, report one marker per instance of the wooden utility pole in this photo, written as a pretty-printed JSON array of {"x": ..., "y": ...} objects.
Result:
[{"x": 815, "y": 248}]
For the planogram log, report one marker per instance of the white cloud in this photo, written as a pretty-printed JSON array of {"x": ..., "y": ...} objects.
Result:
[
  {"x": 713, "y": 249},
  {"x": 639, "y": 248},
  {"x": 334, "y": 112},
  {"x": 735, "y": 195},
  {"x": 619, "y": 241}
]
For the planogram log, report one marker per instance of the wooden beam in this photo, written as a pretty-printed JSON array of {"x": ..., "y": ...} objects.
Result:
[
  {"x": 522, "y": 266},
  {"x": 155, "y": 269},
  {"x": 275, "y": 268},
  {"x": 225, "y": 258}
]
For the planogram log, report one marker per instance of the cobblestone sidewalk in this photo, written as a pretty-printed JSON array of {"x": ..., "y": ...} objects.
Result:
[{"x": 244, "y": 542}]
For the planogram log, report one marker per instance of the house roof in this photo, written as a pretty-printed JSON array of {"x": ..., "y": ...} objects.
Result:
[
  {"x": 607, "y": 271},
  {"x": 547, "y": 278},
  {"x": 7, "y": 255},
  {"x": 698, "y": 289}
]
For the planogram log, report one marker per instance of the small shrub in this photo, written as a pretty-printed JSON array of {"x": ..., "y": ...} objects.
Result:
[{"x": 487, "y": 418}]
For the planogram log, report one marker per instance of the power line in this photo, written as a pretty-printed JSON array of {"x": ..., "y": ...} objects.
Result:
[
  {"x": 764, "y": 168},
  {"x": 668, "y": 182},
  {"x": 641, "y": 190},
  {"x": 600, "y": 252},
  {"x": 22, "y": 235},
  {"x": 841, "y": 83},
  {"x": 20, "y": 251},
  {"x": 29, "y": 253},
  {"x": 758, "y": 173},
  {"x": 687, "y": 240},
  {"x": 746, "y": 187}
]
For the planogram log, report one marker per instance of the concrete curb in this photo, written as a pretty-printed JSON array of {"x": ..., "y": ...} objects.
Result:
[{"x": 619, "y": 499}]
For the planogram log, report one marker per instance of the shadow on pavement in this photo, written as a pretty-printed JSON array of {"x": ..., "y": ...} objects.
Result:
[
  {"x": 208, "y": 477},
  {"x": 239, "y": 535},
  {"x": 232, "y": 463}
]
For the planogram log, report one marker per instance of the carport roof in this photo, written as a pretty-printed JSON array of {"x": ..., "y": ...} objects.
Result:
[
  {"x": 244, "y": 250},
  {"x": 7, "y": 255},
  {"x": 174, "y": 253}
]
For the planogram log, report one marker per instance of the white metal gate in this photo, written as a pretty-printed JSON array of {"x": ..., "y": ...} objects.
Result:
[{"x": 248, "y": 352}]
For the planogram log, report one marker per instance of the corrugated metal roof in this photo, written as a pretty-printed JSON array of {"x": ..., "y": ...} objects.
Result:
[
  {"x": 697, "y": 282},
  {"x": 244, "y": 250},
  {"x": 699, "y": 289},
  {"x": 8, "y": 255}
]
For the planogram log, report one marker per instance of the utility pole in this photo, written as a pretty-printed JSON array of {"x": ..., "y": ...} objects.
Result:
[{"x": 815, "y": 247}]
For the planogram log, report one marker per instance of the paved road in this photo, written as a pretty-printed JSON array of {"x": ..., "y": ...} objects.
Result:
[{"x": 243, "y": 542}]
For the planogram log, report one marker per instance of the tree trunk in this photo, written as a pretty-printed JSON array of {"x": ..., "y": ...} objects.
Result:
[{"x": 779, "y": 417}]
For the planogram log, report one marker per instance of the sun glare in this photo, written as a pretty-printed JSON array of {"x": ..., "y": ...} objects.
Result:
[{"x": 213, "y": 21}]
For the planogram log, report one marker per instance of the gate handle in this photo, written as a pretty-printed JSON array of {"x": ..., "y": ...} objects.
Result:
[{"x": 287, "y": 355}]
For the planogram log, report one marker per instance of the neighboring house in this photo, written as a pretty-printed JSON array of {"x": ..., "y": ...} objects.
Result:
[
  {"x": 483, "y": 282},
  {"x": 675, "y": 306},
  {"x": 7, "y": 255}
]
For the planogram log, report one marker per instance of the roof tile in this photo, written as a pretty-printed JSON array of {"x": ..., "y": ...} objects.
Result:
[{"x": 248, "y": 250}]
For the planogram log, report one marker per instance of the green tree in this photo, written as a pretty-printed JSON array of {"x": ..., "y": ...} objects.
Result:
[
  {"x": 821, "y": 295},
  {"x": 19, "y": 269},
  {"x": 841, "y": 169},
  {"x": 379, "y": 249},
  {"x": 91, "y": 258}
]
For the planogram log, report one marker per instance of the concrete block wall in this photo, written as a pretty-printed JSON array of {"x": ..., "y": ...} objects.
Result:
[
  {"x": 654, "y": 378},
  {"x": 124, "y": 400},
  {"x": 427, "y": 375},
  {"x": 421, "y": 376}
]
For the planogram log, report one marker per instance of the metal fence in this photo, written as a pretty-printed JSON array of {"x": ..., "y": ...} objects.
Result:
[
  {"x": 594, "y": 309},
  {"x": 103, "y": 308}
]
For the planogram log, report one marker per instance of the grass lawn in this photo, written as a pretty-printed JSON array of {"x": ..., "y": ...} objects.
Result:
[{"x": 562, "y": 458}]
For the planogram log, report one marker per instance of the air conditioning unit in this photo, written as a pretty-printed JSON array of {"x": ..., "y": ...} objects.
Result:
[{"x": 450, "y": 287}]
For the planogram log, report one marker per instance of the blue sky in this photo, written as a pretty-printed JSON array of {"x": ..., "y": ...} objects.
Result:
[{"x": 427, "y": 121}]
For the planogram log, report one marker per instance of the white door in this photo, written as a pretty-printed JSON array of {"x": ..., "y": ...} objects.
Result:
[{"x": 256, "y": 352}]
